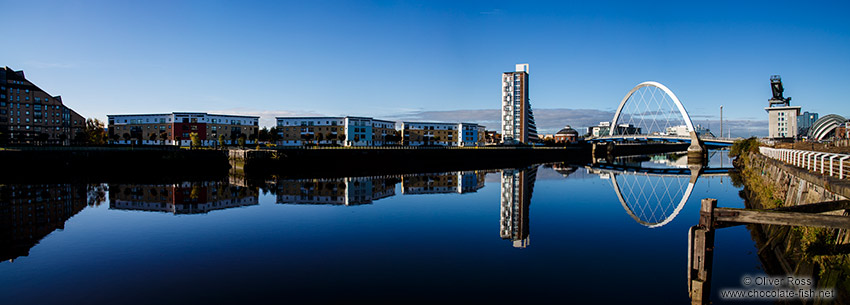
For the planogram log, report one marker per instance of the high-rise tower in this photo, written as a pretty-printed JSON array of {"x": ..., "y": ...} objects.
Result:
[{"x": 517, "y": 119}]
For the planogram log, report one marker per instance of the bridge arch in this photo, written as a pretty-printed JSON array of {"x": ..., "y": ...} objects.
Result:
[
  {"x": 653, "y": 223},
  {"x": 668, "y": 92}
]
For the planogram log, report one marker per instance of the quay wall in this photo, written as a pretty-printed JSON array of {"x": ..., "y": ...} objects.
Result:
[
  {"x": 373, "y": 160},
  {"x": 109, "y": 163},
  {"x": 818, "y": 253},
  {"x": 116, "y": 163}
]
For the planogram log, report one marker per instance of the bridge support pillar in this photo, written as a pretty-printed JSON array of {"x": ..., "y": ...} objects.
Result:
[{"x": 696, "y": 152}]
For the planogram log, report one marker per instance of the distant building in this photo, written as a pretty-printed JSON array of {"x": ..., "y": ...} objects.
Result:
[
  {"x": 627, "y": 129},
  {"x": 29, "y": 115},
  {"x": 347, "y": 131},
  {"x": 493, "y": 137},
  {"x": 601, "y": 130},
  {"x": 517, "y": 118},
  {"x": 442, "y": 134},
  {"x": 805, "y": 121},
  {"x": 782, "y": 117},
  {"x": 176, "y": 128},
  {"x": 827, "y": 127},
  {"x": 682, "y": 131},
  {"x": 566, "y": 135},
  {"x": 843, "y": 131}
]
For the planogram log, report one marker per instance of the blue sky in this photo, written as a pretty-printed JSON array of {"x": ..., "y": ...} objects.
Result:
[{"x": 405, "y": 59}]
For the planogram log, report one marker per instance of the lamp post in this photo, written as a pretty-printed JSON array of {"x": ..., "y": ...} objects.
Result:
[{"x": 721, "y": 121}]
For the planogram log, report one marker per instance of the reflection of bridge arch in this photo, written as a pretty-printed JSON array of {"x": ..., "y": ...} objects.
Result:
[
  {"x": 653, "y": 223},
  {"x": 652, "y": 102},
  {"x": 637, "y": 190}
]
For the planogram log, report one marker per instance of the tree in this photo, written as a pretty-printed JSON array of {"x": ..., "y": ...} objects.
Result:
[
  {"x": 341, "y": 137},
  {"x": 306, "y": 137},
  {"x": 94, "y": 133},
  {"x": 274, "y": 134},
  {"x": 152, "y": 137},
  {"x": 320, "y": 137},
  {"x": 264, "y": 134},
  {"x": 196, "y": 140},
  {"x": 241, "y": 141},
  {"x": 220, "y": 140},
  {"x": 163, "y": 136},
  {"x": 126, "y": 136}
]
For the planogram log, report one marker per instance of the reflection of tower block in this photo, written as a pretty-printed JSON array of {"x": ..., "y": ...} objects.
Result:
[
  {"x": 777, "y": 89},
  {"x": 517, "y": 186}
]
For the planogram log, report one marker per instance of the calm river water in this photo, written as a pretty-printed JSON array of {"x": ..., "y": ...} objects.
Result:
[{"x": 550, "y": 233}]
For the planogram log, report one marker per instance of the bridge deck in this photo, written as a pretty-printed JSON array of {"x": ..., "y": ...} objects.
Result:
[{"x": 710, "y": 142}]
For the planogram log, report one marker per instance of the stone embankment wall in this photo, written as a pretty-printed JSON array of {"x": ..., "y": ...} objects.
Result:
[
  {"x": 789, "y": 185},
  {"x": 819, "y": 253}
]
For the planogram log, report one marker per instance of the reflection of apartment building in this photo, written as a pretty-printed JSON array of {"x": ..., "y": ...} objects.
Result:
[
  {"x": 516, "y": 189},
  {"x": 29, "y": 115},
  {"x": 28, "y": 213},
  {"x": 348, "y": 131},
  {"x": 184, "y": 198},
  {"x": 441, "y": 183},
  {"x": 442, "y": 134},
  {"x": 176, "y": 128},
  {"x": 344, "y": 191}
]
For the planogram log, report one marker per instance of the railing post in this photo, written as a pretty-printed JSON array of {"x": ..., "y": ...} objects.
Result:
[{"x": 831, "y": 165}]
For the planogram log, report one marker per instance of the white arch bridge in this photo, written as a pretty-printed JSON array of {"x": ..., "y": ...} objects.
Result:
[{"x": 652, "y": 113}]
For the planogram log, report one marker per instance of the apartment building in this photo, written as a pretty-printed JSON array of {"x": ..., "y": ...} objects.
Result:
[
  {"x": 347, "y": 131},
  {"x": 429, "y": 133},
  {"x": 517, "y": 118},
  {"x": 29, "y": 115},
  {"x": 176, "y": 128},
  {"x": 442, "y": 134}
]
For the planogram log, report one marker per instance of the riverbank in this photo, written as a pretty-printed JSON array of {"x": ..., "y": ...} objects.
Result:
[
  {"x": 365, "y": 161},
  {"x": 49, "y": 164},
  {"x": 819, "y": 253},
  {"x": 158, "y": 163}
]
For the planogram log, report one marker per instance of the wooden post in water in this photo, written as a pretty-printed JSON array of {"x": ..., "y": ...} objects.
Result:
[{"x": 701, "y": 254}]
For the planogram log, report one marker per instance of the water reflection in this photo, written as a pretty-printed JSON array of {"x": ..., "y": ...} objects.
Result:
[
  {"x": 516, "y": 189},
  {"x": 653, "y": 189},
  {"x": 30, "y": 212},
  {"x": 181, "y": 198}
]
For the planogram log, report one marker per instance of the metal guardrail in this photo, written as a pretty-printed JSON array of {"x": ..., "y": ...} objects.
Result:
[{"x": 823, "y": 162}]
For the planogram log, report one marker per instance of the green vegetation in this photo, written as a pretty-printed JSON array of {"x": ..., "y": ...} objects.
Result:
[
  {"x": 94, "y": 133},
  {"x": 803, "y": 246},
  {"x": 196, "y": 140},
  {"x": 241, "y": 141},
  {"x": 744, "y": 146}
]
